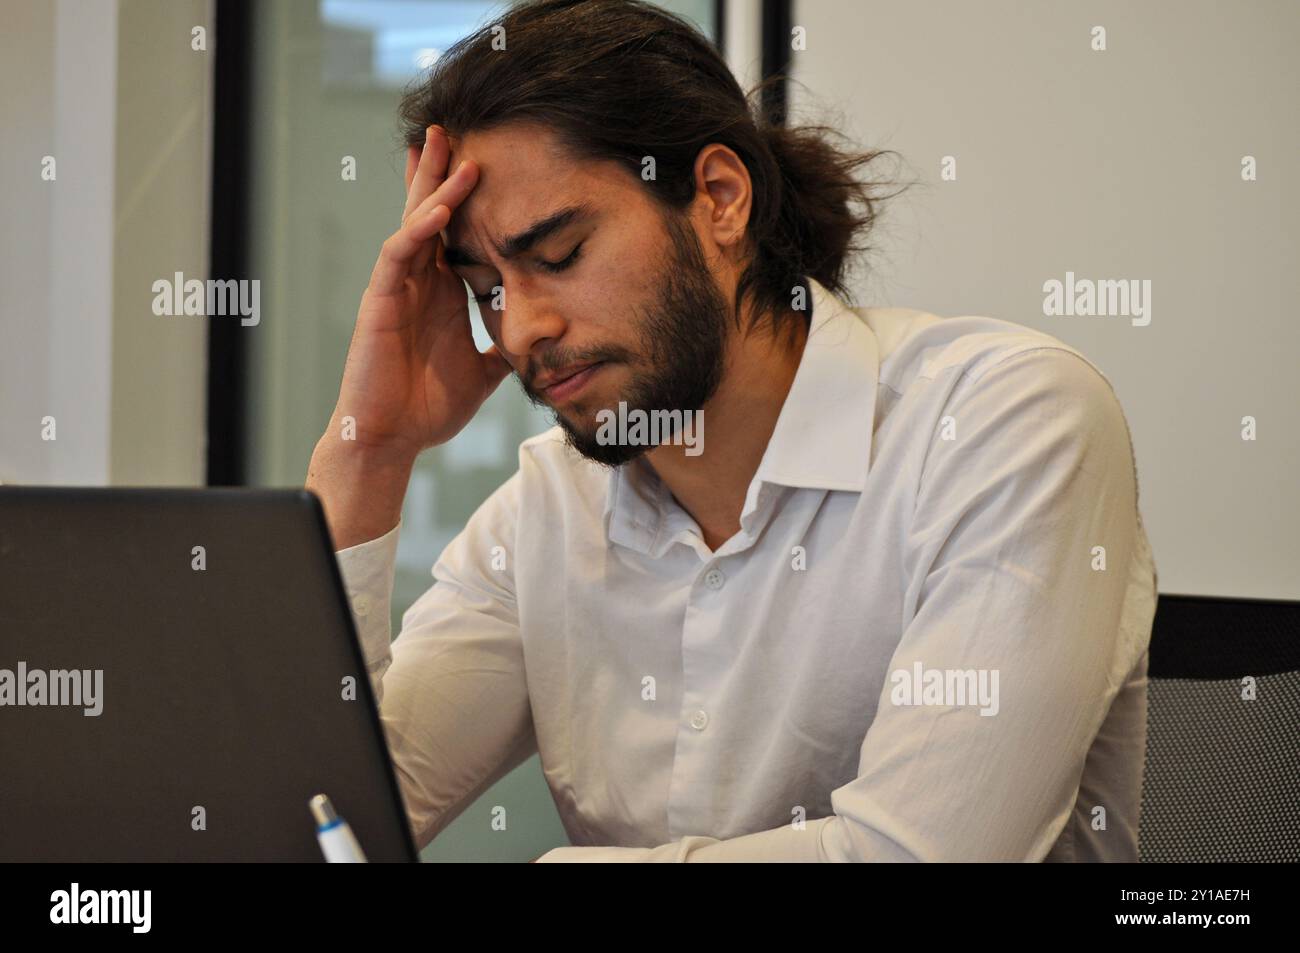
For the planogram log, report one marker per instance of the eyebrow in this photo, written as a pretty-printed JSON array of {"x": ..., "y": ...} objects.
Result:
[{"x": 521, "y": 242}]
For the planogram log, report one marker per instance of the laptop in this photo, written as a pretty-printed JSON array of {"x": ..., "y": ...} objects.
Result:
[{"x": 179, "y": 676}]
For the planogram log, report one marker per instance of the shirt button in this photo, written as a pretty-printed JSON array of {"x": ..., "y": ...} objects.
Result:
[
  {"x": 699, "y": 720},
  {"x": 361, "y": 605},
  {"x": 715, "y": 579}
]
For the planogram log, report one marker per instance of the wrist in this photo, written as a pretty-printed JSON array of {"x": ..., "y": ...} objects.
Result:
[
  {"x": 363, "y": 457},
  {"x": 360, "y": 488}
]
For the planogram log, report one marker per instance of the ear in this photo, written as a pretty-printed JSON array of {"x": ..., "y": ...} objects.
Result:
[
  {"x": 412, "y": 160},
  {"x": 722, "y": 179}
]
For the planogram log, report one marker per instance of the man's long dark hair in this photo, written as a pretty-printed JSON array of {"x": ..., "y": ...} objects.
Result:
[{"x": 622, "y": 80}]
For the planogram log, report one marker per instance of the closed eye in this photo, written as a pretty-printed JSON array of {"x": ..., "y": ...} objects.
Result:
[
  {"x": 557, "y": 266},
  {"x": 553, "y": 267}
]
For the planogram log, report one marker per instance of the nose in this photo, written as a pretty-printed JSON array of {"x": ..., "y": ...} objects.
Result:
[{"x": 526, "y": 321}]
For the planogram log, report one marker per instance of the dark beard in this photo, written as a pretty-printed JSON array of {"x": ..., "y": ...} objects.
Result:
[{"x": 684, "y": 337}]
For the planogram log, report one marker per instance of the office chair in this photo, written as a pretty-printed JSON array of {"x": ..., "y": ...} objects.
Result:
[{"x": 1222, "y": 773}]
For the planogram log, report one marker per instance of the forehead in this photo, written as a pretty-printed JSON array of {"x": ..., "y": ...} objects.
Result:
[{"x": 524, "y": 175}]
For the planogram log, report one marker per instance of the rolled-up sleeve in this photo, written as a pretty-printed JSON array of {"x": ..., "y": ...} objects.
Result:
[
  {"x": 368, "y": 570},
  {"x": 451, "y": 687}
]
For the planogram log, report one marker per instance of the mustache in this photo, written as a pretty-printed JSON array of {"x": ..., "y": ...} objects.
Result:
[{"x": 556, "y": 360}]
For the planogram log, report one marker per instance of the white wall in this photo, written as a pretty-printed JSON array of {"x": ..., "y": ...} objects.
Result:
[
  {"x": 1117, "y": 164},
  {"x": 743, "y": 40}
]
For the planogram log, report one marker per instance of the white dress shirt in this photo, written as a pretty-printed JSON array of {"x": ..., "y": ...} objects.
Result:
[{"x": 954, "y": 494}]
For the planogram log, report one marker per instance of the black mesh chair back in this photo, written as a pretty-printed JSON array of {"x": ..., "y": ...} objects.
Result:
[{"x": 1222, "y": 773}]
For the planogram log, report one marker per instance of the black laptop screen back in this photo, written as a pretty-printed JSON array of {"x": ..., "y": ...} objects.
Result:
[{"x": 230, "y": 693}]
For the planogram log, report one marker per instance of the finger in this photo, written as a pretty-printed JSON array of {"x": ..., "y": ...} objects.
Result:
[
  {"x": 432, "y": 250},
  {"x": 421, "y": 226},
  {"x": 430, "y": 165},
  {"x": 413, "y": 154},
  {"x": 453, "y": 199},
  {"x": 399, "y": 249},
  {"x": 430, "y": 170},
  {"x": 420, "y": 263}
]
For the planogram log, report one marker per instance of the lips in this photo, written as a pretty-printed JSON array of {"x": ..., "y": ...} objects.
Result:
[
  {"x": 564, "y": 375},
  {"x": 570, "y": 381}
]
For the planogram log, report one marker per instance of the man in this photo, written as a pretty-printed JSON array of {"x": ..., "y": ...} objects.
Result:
[{"x": 891, "y": 602}]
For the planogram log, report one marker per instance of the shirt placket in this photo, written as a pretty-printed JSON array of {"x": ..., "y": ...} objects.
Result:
[{"x": 692, "y": 790}]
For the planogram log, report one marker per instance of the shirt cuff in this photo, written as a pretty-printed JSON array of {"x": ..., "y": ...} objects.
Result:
[
  {"x": 600, "y": 855},
  {"x": 786, "y": 844},
  {"x": 368, "y": 570}
]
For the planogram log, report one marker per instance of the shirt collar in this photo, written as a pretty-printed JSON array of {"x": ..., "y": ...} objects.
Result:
[
  {"x": 823, "y": 434},
  {"x": 822, "y": 438}
]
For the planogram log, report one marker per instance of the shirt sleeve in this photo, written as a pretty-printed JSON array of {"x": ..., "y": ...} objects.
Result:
[
  {"x": 451, "y": 687},
  {"x": 1017, "y": 562},
  {"x": 368, "y": 570}
]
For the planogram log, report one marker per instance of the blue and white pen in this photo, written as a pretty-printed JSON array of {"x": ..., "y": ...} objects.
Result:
[{"x": 337, "y": 842}]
